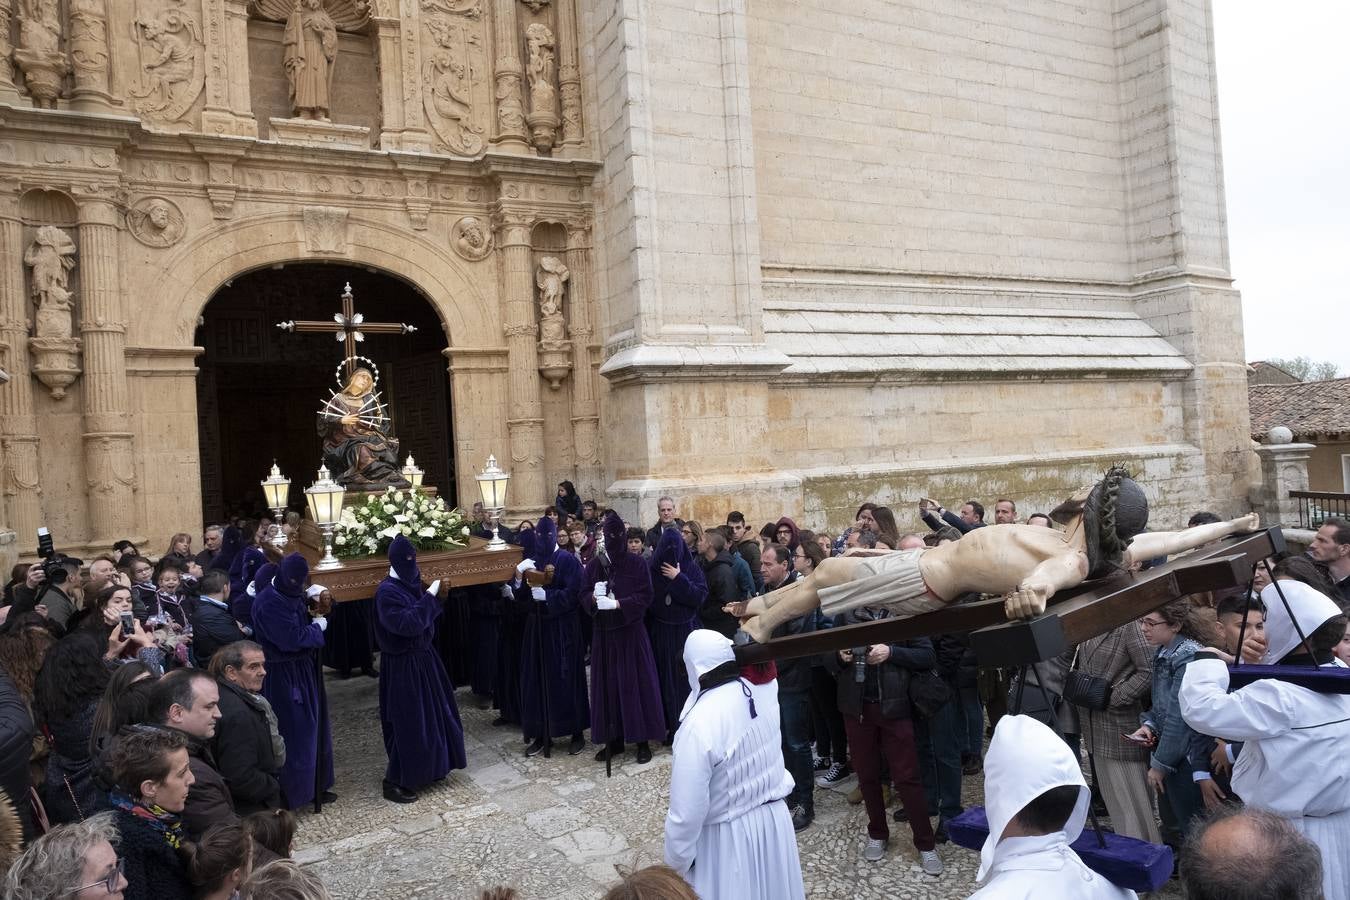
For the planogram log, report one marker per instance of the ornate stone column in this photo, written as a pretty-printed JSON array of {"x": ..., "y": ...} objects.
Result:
[
  {"x": 18, "y": 427},
  {"x": 109, "y": 467},
  {"x": 229, "y": 109},
  {"x": 507, "y": 74},
  {"x": 89, "y": 55},
  {"x": 8, "y": 92},
  {"x": 525, "y": 417},
  {"x": 585, "y": 411},
  {"x": 569, "y": 76}
]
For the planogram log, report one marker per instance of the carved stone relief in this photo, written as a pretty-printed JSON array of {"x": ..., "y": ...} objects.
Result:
[
  {"x": 346, "y": 15},
  {"x": 89, "y": 46},
  {"x": 170, "y": 53},
  {"x": 156, "y": 222},
  {"x": 454, "y": 73},
  {"x": 39, "y": 54},
  {"x": 554, "y": 349},
  {"x": 6, "y": 47},
  {"x": 471, "y": 238},
  {"x": 326, "y": 229},
  {"x": 50, "y": 259},
  {"x": 535, "y": 5},
  {"x": 540, "y": 73}
]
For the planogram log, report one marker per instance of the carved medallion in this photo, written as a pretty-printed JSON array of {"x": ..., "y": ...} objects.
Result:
[
  {"x": 156, "y": 222},
  {"x": 326, "y": 229},
  {"x": 471, "y": 238}
]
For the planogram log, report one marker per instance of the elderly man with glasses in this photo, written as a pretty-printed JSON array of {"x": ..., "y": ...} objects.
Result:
[{"x": 75, "y": 860}]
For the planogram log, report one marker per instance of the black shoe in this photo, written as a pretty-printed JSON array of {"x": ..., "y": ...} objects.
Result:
[
  {"x": 900, "y": 815},
  {"x": 396, "y": 794},
  {"x": 328, "y": 797},
  {"x": 537, "y": 747},
  {"x": 499, "y": 722},
  {"x": 615, "y": 749},
  {"x": 482, "y": 702},
  {"x": 801, "y": 818},
  {"x": 972, "y": 765},
  {"x": 372, "y": 672},
  {"x": 670, "y": 739},
  {"x": 940, "y": 835},
  {"x": 644, "y": 754},
  {"x": 578, "y": 744}
]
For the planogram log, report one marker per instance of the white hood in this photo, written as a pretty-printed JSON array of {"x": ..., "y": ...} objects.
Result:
[
  {"x": 1311, "y": 608},
  {"x": 704, "y": 650},
  {"x": 1025, "y": 760}
]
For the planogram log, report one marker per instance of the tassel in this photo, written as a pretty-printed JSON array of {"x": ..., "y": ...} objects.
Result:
[{"x": 754, "y": 714}]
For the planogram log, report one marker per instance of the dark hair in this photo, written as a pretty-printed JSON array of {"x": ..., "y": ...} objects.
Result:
[
  {"x": 1239, "y": 603},
  {"x": 715, "y": 539},
  {"x": 22, "y": 649},
  {"x": 169, "y": 563},
  {"x": 569, "y": 488},
  {"x": 866, "y": 507},
  {"x": 220, "y": 851},
  {"x": 1341, "y": 529},
  {"x": 1187, "y": 615},
  {"x": 887, "y": 530},
  {"x": 231, "y": 656},
  {"x": 1050, "y": 811},
  {"x": 812, "y": 551},
  {"x": 72, "y": 676},
  {"x": 1270, "y": 860},
  {"x": 724, "y": 531},
  {"x": 132, "y": 561},
  {"x": 586, "y": 503},
  {"x": 781, "y": 553},
  {"x": 1037, "y": 516},
  {"x": 550, "y": 511},
  {"x": 1301, "y": 568},
  {"x": 1325, "y": 636},
  {"x": 174, "y": 689},
  {"x": 141, "y": 753},
  {"x": 735, "y": 517},
  {"x": 635, "y": 533},
  {"x": 656, "y": 882},
  {"x": 867, "y": 538},
  {"x": 123, "y": 545},
  {"x": 213, "y": 582},
  {"x": 1007, "y": 500},
  {"x": 975, "y": 505},
  {"x": 124, "y": 703},
  {"x": 1202, "y": 518},
  {"x": 273, "y": 829},
  {"x": 101, "y": 602}
]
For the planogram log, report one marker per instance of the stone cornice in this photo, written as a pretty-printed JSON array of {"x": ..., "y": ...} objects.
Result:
[{"x": 650, "y": 363}]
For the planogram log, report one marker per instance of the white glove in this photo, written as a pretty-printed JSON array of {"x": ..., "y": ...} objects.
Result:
[
  {"x": 525, "y": 566},
  {"x": 507, "y": 593},
  {"x": 538, "y": 594},
  {"x": 606, "y": 603},
  {"x": 601, "y": 590},
  {"x": 322, "y": 622},
  {"x": 435, "y": 588}
]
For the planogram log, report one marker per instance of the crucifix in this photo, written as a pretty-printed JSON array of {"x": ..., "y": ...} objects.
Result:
[{"x": 348, "y": 326}]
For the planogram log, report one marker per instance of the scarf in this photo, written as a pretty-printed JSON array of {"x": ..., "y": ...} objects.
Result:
[
  {"x": 161, "y": 820},
  {"x": 278, "y": 742}
]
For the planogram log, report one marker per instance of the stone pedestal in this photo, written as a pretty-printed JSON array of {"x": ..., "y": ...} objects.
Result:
[
  {"x": 1284, "y": 468},
  {"x": 319, "y": 134}
]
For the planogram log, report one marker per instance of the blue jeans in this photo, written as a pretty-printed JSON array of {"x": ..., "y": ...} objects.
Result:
[
  {"x": 795, "y": 713},
  {"x": 972, "y": 724},
  {"x": 939, "y": 744},
  {"x": 1182, "y": 798}
]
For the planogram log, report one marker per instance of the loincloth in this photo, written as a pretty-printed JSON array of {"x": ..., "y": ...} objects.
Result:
[{"x": 892, "y": 581}]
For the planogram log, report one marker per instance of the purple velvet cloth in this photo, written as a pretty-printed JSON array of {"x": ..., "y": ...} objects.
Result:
[
  {"x": 671, "y": 617},
  {"x": 553, "y": 668},
  {"x": 625, "y": 693},
  {"x": 423, "y": 735},
  {"x": 515, "y": 611}
]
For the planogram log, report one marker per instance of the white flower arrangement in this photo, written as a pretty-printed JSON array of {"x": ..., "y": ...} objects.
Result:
[{"x": 368, "y": 528}]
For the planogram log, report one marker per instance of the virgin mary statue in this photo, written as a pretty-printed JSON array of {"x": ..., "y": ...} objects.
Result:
[{"x": 358, "y": 447}]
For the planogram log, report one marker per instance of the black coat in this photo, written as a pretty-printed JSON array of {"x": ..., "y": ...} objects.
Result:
[
  {"x": 721, "y": 577},
  {"x": 16, "y": 745},
  {"x": 654, "y": 533},
  {"x": 893, "y": 678},
  {"x": 243, "y": 752},
  {"x": 154, "y": 870},
  {"x": 794, "y": 675},
  {"x": 212, "y": 628}
]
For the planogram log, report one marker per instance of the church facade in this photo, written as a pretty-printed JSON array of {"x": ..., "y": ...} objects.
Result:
[{"x": 773, "y": 256}]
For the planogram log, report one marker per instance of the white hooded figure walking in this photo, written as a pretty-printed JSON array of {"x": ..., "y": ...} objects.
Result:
[
  {"x": 1294, "y": 759},
  {"x": 728, "y": 831},
  {"x": 1036, "y": 801}
]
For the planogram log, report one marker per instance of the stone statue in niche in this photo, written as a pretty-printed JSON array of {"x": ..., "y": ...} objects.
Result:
[
  {"x": 311, "y": 44},
  {"x": 471, "y": 239},
  {"x": 539, "y": 66},
  {"x": 448, "y": 79},
  {"x": 551, "y": 279},
  {"x": 172, "y": 69},
  {"x": 155, "y": 222},
  {"x": 39, "y": 53},
  {"x": 50, "y": 258}
]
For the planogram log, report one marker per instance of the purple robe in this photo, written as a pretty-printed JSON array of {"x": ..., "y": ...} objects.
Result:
[
  {"x": 244, "y": 568},
  {"x": 671, "y": 617},
  {"x": 423, "y": 736},
  {"x": 553, "y": 670},
  {"x": 625, "y": 697},
  {"x": 514, "y": 612},
  {"x": 349, "y": 641},
  {"x": 484, "y": 623},
  {"x": 290, "y": 639}
]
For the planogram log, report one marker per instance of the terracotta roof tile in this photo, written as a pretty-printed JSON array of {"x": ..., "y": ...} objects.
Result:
[{"x": 1308, "y": 408}]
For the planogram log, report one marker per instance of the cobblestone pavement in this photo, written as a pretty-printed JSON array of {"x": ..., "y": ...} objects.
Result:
[{"x": 552, "y": 828}]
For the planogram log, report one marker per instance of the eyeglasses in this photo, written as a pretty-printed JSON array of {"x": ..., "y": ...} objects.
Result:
[
  {"x": 1150, "y": 623},
  {"x": 110, "y": 883}
]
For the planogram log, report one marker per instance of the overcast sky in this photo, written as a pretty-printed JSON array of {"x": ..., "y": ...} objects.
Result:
[{"x": 1284, "y": 95}]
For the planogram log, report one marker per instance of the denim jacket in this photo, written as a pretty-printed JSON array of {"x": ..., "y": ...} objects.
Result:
[{"x": 1174, "y": 735}]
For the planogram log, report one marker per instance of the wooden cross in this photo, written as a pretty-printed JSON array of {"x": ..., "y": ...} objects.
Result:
[{"x": 348, "y": 326}]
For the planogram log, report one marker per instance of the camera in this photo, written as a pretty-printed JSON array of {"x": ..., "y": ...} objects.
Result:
[
  {"x": 859, "y": 664},
  {"x": 53, "y": 563}
]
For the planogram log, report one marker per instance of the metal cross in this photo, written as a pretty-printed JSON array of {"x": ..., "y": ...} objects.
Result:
[{"x": 348, "y": 326}]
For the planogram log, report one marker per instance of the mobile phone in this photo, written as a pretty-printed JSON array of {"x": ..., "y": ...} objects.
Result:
[
  {"x": 128, "y": 625},
  {"x": 1132, "y": 739}
]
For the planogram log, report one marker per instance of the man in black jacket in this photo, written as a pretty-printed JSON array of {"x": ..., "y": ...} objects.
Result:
[
  {"x": 665, "y": 513},
  {"x": 939, "y": 737},
  {"x": 188, "y": 701},
  {"x": 718, "y": 571},
  {"x": 16, "y": 745},
  {"x": 247, "y": 745},
  {"x": 972, "y": 516},
  {"x": 794, "y": 693},
  {"x": 212, "y": 624},
  {"x": 874, "y": 701}
]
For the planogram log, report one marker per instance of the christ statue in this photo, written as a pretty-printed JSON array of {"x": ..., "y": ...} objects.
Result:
[
  {"x": 358, "y": 446},
  {"x": 311, "y": 45},
  {"x": 1027, "y": 564}
]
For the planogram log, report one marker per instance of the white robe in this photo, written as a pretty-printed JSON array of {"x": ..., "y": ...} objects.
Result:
[
  {"x": 728, "y": 833},
  {"x": 1294, "y": 760},
  {"x": 1025, "y": 760}
]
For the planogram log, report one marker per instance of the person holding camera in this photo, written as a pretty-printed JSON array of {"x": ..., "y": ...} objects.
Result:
[
  {"x": 872, "y": 687},
  {"x": 49, "y": 588}
]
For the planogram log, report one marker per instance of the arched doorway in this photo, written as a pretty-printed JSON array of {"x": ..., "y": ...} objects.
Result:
[{"x": 258, "y": 387}]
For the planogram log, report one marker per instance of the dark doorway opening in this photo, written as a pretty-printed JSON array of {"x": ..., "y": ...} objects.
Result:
[{"x": 259, "y": 388}]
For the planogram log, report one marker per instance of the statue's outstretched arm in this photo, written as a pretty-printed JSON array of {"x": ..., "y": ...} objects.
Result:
[{"x": 1167, "y": 543}]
